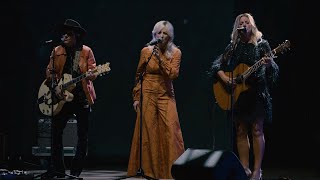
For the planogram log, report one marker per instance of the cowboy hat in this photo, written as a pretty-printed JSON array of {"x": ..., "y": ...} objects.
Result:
[{"x": 71, "y": 24}]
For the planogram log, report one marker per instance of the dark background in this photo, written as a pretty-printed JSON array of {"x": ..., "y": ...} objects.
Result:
[{"x": 117, "y": 31}]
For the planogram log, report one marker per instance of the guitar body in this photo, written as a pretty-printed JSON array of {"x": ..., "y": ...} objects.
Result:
[
  {"x": 46, "y": 101},
  {"x": 222, "y": 92}
]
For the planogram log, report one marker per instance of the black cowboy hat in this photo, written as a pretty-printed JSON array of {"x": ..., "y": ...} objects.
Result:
[{"x": 73, "y": 25}]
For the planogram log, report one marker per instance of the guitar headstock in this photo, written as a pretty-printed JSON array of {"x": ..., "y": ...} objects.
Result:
[
  {"x": 282, "y": 47},
  {"x": 102, "y": 69}
]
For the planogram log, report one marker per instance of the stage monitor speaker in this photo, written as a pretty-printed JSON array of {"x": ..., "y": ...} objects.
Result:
[
  {"x": 69, "y": 137},
  {"x": 208, "y": 164}
]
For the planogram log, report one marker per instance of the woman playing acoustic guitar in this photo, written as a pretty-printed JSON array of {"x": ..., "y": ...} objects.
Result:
[{"x": 251, "y": 104}]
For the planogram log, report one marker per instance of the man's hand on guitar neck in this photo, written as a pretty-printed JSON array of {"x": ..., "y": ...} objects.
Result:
[{"x": 90, "y": 75}]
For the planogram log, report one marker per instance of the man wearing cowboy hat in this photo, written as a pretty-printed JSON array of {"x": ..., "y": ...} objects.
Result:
[{"x": 71, "y": 58}]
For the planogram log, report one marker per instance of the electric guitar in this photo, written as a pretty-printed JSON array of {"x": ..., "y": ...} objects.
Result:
[
  {"x": 222, "y": 92},
  {"x": 46, "y": 100}
]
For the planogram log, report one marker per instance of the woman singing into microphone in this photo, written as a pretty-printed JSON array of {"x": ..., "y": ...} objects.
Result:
[{"x": 162, "y": 141}]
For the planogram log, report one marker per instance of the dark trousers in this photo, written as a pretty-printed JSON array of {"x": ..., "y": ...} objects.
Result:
[{"x": 59, "y": 122}]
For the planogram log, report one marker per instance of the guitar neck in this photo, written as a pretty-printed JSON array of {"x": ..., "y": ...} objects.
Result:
[
  {"x": 256, "y": 65},
  {"x": 74, "y": 81},
  {"x": 281, "y": 48},
  {"x": 99, "y": 70},
  {"x": 252, "y": 69}
]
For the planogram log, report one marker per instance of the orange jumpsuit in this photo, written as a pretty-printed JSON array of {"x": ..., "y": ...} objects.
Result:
[{"x": 162, "y": 141}]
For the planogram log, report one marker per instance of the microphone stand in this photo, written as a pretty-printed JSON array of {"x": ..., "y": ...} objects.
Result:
[
  {"x": 140, "y": 172},
  {"x": 232, "y": 81},
  {"x": 53, "y": 85}
]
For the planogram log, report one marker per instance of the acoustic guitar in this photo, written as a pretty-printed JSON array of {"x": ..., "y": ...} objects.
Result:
[{"x": 223, "y": 93}]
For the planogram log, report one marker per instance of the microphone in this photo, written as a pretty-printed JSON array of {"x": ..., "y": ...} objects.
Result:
[
  {"x": 48, "y": 41},
  {"x": 242, "y": 30},
  {"x": 52, "y": 42},
  {"x": 153, "y": 42}
]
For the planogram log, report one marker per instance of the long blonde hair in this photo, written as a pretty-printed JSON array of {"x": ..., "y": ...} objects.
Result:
[
  {"x": 157, "y": 28},
  {"x": 256, "y": 35}
]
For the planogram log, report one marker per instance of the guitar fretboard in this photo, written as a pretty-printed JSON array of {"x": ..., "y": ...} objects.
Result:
[
  {"x": 96, "y": 71},
  {"x": 252, "y": 69},
  {"x": 74, "y": 81}
]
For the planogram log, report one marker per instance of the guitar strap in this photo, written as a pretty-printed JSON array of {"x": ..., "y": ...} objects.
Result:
[{"x": 76, "y": 62}]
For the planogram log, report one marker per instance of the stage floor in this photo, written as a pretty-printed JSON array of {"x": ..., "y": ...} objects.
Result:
[{"x": 268, "y": 174}]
